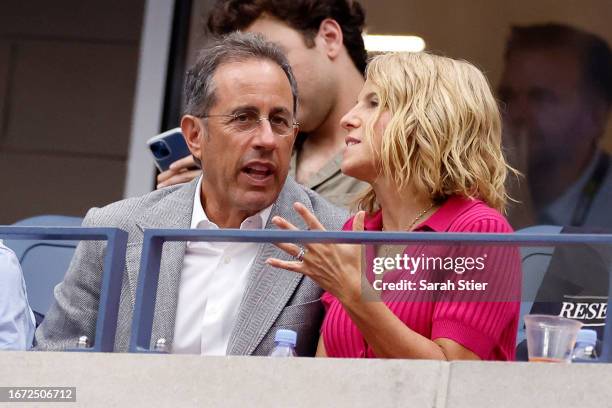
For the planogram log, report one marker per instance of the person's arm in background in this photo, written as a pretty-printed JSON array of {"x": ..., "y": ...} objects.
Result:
[
  {"x": 17, "y": 323},
  {"x": 181, "y": 171}
]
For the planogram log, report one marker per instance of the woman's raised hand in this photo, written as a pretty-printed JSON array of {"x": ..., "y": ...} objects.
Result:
[{"x": 334, "y": 267}]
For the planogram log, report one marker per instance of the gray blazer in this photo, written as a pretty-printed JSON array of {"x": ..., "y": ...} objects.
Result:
[{"x": 274, "y": 298}]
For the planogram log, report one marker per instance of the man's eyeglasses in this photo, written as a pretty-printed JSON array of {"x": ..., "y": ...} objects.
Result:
[{"x": 248, "y": 121}]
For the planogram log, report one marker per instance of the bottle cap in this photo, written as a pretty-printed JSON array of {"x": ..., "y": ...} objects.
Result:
[
  {"x": 286, "y": 336},
  {"x": 83, "y": 342},
  {"x": 161, "y": 345},
  {"x": 588, "y": 336}
]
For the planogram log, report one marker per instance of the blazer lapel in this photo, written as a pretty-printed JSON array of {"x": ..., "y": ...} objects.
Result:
[
  {"x": 269, "y": 289},
  {"x": 172, "y": 211}
]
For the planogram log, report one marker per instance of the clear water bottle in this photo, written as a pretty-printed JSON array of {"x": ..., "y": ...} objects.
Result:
[
  {"x": 285, "y": 341},
  {"x": 584, "y": 351}
]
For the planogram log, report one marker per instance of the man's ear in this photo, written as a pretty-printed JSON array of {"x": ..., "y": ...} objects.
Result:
[
  {"x": 193, "y": 132},
  {"x": 331, "y": 35}
]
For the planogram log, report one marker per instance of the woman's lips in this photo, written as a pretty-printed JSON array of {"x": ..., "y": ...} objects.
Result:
[{"x": 350, "y": 141}]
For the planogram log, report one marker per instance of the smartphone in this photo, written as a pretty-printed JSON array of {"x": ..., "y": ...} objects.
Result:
[{"x": 168, "y": 147}]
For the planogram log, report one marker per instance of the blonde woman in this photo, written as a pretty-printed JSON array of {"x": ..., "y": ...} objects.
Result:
[{"x": 426, "y": 135}]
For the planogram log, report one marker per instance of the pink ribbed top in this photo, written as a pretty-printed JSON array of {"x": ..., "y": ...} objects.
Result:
[{"x": 484, "y": 322}]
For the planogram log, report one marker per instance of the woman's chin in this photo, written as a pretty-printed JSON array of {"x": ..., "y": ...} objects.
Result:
[
  {"x": 355, "y": 170},
  {"x": 346, "y": 168}
]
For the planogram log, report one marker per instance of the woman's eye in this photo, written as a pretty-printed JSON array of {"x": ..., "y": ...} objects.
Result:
[{"x": 373, "y": 103}]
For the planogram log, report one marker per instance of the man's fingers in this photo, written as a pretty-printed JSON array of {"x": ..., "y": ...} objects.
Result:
[
  {"x": 309, "y": 218},
  {"x": 359, "y": 221},
  {"x": 181, "y": 171},
  {"x": 182, "y": 177},
  {"x": 186, "y": 162},
  {"x": 163, "y": 176},
  {"x": 166, "y": 175}
]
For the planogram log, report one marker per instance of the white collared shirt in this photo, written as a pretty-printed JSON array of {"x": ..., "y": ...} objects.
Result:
[{"x": 212, "y": 283}]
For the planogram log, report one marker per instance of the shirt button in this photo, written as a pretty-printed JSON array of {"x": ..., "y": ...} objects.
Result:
[{"x": 226, "y": 260}]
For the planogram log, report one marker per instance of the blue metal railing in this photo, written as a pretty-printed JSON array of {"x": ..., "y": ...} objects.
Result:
[
  {"x": 148, "y": 278},
  {"x": 114, "y": 263},
  {"x": 154, "y": 239}
]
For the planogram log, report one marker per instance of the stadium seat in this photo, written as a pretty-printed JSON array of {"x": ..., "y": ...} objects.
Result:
[{"x": 44, "y": 263}]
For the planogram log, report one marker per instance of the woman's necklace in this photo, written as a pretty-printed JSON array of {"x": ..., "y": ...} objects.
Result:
[
  {"x": 417, "y": 218},
  {"x": 397, "y": 249}
]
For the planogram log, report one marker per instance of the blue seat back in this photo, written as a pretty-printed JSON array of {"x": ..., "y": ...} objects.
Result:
[
  {"x": 112, "y": 274},
  {"x": 44, "y": 263}
]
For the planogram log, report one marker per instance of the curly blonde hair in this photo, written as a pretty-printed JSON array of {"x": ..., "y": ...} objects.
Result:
[{"x": 444, "y": 135}]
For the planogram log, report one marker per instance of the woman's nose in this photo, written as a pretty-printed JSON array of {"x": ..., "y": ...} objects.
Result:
[{"x": 350, "y": 120}]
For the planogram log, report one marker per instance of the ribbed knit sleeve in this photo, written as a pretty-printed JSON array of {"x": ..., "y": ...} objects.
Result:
[{"x": 483, "y": 321}]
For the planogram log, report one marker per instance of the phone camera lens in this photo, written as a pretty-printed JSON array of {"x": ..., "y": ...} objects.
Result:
[{"x": 160, "y": 149}]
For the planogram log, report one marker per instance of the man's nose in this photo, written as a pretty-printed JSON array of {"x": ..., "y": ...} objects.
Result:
[
  {"x": 265, "y": 137},
  {"x": 519, "y": 111}
]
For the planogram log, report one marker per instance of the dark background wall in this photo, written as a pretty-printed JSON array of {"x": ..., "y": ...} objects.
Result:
[{"x": 67, "y": 76}]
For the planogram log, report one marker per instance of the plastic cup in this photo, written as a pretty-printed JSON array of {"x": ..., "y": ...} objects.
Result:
[{"x": 550, "y": 339}]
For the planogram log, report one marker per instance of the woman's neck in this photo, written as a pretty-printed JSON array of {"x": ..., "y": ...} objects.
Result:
[{"x": 402, "y": 210}]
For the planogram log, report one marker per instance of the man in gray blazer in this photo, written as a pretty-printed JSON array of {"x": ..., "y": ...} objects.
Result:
[{"x": 213, "y": 298}]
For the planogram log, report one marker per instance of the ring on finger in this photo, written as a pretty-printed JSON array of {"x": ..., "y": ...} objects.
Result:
[{"x": 300, "y": 255}]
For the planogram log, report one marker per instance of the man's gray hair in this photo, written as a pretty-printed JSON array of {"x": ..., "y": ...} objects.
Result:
[{"x": 234, "y": 47}]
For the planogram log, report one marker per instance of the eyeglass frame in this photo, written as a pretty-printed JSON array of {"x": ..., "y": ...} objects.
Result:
[{"x": 293, "y": 125}]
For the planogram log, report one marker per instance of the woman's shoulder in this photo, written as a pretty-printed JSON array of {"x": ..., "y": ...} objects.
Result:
[{"x": 476, "y": 216}]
